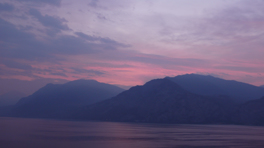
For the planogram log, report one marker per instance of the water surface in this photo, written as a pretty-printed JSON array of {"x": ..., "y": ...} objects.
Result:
[{"x": 43, "y": 133}]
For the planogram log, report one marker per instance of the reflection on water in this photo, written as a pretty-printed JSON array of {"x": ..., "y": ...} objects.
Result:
[{"x": 41, "y": 133}]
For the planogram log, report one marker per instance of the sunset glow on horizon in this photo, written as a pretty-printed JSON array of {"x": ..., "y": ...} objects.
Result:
[{"x": 130, "y": 42}]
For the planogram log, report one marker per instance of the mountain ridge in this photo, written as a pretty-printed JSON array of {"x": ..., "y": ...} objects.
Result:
[
  {"x": 159, "y": 101},
  {"x": 56, "y": 100},
  {"x": 212, "y": 86}
]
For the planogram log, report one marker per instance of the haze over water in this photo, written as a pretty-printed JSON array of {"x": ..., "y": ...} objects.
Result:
[{"x": 42, "y": 133}]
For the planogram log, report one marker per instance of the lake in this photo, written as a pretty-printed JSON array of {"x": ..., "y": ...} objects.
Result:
[{"x": 44, "y": 133}]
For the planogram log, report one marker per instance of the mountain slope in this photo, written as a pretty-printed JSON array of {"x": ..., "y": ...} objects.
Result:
[
  {"x": 57, "y": 100},
  {"x": 252, "y": 112},
  {"x": 211, "y": 86},
  {"x": 161, "y": 101}
]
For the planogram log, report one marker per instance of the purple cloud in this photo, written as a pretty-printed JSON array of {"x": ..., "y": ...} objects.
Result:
[
  {"x": 54, "y": 23},
  {"x": 20, "y": 44},
  {"x": 131, "y": 38},
  {"x": 100, "y": 39},
  {"x": 50, "y": 2},
  {"x": 93, "y": 3},
  {"x": 6, "y": 7}
]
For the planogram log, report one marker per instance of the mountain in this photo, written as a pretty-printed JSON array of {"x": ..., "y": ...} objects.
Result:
[
  {"x": 57, "y": 100},
  {"x": 217, "y": 101},
  {"x": 10, "y": 98},
  {"x": 262, "y": 86},
  {"x": 160, "y": 101},
  {"x": 212, "y": 86},
  {"x": 252, "y": 112}
]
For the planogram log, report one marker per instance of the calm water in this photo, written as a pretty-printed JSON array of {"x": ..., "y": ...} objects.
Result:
[{"x": 40, "y": 133}]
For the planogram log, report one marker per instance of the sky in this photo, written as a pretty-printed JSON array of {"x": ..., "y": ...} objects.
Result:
[{"x": 129, "y": 42}]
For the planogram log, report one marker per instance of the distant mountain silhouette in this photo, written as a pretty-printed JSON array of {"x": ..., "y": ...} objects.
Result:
[
  {"x": 10, "y": 98},
  {"x": 262, "y": 86},
  {"x": 57, "y": 100},
  {"x": 212, "y": 86},
  {"x": 196, "y": 99},
  {"x": 160, "y": 101}
]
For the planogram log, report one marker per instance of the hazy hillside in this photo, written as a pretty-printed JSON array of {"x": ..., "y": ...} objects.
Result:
[
  {"x": 57, "y": 100},
  {"x": 252, "y": 112},
  {"x": 161, "y": 101},
  {"x": 212, "y": 86}
]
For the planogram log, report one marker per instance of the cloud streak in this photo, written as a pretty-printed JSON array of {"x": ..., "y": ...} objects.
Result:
[
  {"x": 50, "y": 2},
  {"x": 55, "y": 23}
]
